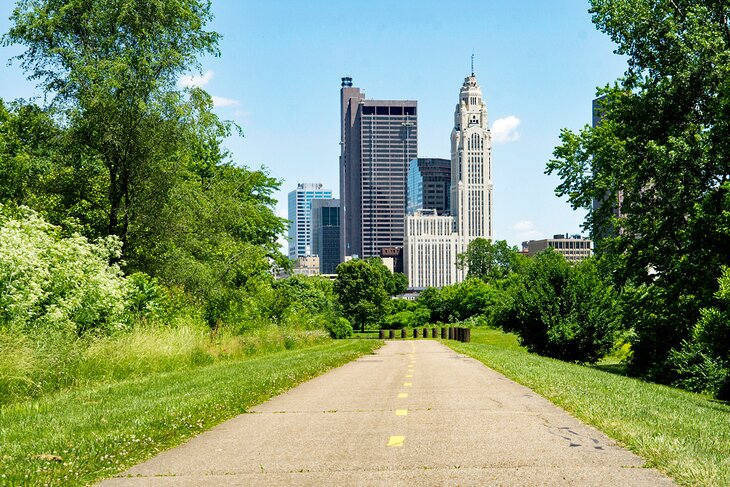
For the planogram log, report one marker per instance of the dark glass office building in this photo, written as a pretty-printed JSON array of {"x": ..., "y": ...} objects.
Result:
[
  {"x": 326, "y": 234},
  {"x": 429, "y": 185},
  {"x": 378, "y": 138}
]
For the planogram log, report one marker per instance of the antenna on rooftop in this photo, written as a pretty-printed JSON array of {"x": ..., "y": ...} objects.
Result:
[{"x": 472, "y": 63}]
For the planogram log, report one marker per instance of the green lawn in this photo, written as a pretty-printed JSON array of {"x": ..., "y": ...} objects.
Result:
[
  {"x": 685, "y": 435},
  {"x": 78, "y": 437}
]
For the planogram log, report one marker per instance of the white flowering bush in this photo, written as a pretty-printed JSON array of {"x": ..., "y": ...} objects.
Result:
[{"x": 48, "y": 279}]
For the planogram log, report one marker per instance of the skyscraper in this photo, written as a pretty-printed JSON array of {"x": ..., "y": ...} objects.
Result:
[
  {"x": 429, "y": 185},
  {"x": 471, "y": 164},
  {"x": 433, "y": 242},
  {"x": 326, "y": 234},
  {"x": 378, "y": 138},
  {"x": 300, "y": 216},
  {"x": 602, "y": 204}
]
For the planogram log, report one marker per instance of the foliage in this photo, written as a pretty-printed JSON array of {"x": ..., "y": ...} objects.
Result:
[
  {"x": 661, "y": 149},
  {"x": 406, "y": 314},
  {"x": 397, "y": 284},
  {"x": 146, "y": 297},
  {"x": 564, "y": 311},
  {"x": 490, "y": 261},
  {"x": 40, "y": 167},
  {"x": 360, "y": 288},
  {"x": 702, "y": 364},
  {"x": 123, "y": 151},
  {"x": 113, "y": 66},
  {"x": 340, "y": 328},
  {"x": 53, "y": 281},
  {"x": 461, "y": 301}
]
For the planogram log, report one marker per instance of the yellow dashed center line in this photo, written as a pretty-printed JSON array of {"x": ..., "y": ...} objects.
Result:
[
  {"x": 401, "y": 412},
  {"x": 407, "y": 384},
  {"x": 396, "y": 440},
  {"x": 401, "y": 395},
  {"x": 408, "y": 376}
]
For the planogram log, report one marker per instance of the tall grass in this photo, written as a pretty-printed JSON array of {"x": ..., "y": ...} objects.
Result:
[
  {"x": 77, "y": 437},
  {"x": 31, "y": 366}
]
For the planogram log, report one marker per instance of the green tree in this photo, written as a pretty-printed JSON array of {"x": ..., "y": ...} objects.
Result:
[
  {"x": 360, "y": 288},
  {"x": 397, "y": 284},
  {"x": 661, "y": 147},
  {"x": 112, "y": 66},
  {"x": 564, "y": 310},
  {"x": 702, "y": 364},
  {"x": 41, "y": 168},
  {"x": 489, "y": 261}
]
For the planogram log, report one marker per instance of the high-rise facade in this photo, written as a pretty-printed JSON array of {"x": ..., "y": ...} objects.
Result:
[
  {"x": 433, "y": 242},
  {"x": 326, "y": 234},
  {"x": 471, "y": 164},
  {"x": 300, "y": 217},
  {"x": 429, "y": 185},
  {"x": 378, "y": 138},
  {"x": 602, "y": 204}
]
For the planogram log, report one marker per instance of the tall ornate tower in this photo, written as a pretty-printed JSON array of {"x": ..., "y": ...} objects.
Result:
[
  {"x": 433, "y": 242},
  {"x": 471, "y": 165}
]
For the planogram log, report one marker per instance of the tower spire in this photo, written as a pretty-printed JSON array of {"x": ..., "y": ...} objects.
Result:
[{"x": 472, "y": 64}]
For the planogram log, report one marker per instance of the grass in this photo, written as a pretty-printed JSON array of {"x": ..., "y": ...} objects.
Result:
[
  {"x": 685, "y": 435},
  {"x": 32, "y": 366},
  {"x": 77, "y": 437}
]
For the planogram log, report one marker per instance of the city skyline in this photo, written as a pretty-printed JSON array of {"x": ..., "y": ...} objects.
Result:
[{"x": 538, "y": 64}]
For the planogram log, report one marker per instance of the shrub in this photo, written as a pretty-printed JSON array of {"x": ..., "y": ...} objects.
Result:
[
  {"x": 564, "y": 311},
  {"x": 340, "y": 328},
  {"x": 48, "y": 279},
  {"x": 702, "y": 363},
  {"x": 146, "y": 298}
]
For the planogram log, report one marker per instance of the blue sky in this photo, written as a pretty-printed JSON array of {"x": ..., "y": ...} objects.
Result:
[{"x": 538, "y": 63}]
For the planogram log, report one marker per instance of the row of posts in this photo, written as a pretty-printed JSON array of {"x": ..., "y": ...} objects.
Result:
[{"x": 450, "y": 332}]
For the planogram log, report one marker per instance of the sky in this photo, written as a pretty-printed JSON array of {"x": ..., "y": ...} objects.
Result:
[{"x": 538, "y": 63}]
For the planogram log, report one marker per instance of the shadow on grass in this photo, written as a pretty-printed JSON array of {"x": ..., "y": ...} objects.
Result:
[{"x": 618, "y": 369}]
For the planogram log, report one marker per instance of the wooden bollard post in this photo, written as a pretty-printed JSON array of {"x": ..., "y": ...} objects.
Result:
[
  {"x": 467, "y": 335},
  {"x": 391, "y": 334},
  {"x": 433, "y": 332},
  {"x": 460, "y": 334},
  {"x": 443, "y": 333},
  {"x": 403, "y": 333},
  {"x": 382, "y": 334},
  {"x": 415, "y": 333},
  {"x": 425, "y": 333},
  {"x": 451, "y": 333}
]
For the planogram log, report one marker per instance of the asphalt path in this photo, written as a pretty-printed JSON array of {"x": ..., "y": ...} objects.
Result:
[{"x": 414, "y": 413}]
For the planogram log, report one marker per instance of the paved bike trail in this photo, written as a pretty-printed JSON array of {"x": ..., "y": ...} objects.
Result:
[{"x": 414, "y": 413}]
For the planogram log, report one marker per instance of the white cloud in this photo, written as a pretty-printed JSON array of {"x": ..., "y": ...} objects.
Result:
[
  {"x": 219, "y": 101},
  {"x": 525, "y": 230},
  {"x": 505, "y": 129},
  {"x": 199, "y": 80}
]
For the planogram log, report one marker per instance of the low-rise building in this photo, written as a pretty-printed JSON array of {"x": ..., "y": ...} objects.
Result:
[
  {"x": 307, "y": 265},
  {"x": 573, "y": 247}
]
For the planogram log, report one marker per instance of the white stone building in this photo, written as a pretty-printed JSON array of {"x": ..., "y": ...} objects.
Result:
[{"x": 433, "y": 242}]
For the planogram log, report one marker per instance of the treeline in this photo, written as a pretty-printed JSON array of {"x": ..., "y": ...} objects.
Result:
[{"x": 129, "y": 238}]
